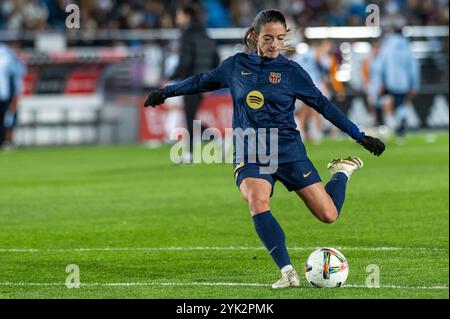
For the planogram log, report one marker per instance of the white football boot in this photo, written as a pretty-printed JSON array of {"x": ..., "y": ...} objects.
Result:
[
  {"x": 288, "y": 279},
  {"x": 346, "y": 165}
]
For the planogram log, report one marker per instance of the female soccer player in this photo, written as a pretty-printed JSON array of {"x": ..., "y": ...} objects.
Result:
[{"x": 264, "y": 86}]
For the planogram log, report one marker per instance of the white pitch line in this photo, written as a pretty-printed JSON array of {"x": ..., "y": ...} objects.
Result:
[
  {"x": 235, "y": 284},
  {"x": 202, "y": 248}
]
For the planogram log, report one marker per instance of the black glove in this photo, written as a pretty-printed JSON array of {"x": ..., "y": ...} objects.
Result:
[
  {"x": 155, "y": 98},
  {"x": 372, "y": 144}
]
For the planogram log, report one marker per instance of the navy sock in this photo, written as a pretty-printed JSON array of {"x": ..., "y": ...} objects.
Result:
[
  {"x": 272, "y": 235},
  {"x": 336, "y": 189}
]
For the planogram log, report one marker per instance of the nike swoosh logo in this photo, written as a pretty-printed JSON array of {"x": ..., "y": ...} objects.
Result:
[
  {"x": 245, "y": 73},
  {"x": 305, "y": 175}
]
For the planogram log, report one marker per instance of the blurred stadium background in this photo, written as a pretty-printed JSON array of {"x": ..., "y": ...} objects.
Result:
[{"x": 87, "y": 85}]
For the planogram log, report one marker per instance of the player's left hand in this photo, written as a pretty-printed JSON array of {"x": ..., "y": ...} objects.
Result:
[
  {"x": 155, "y": 98},
  {"x": 373, "y": 145}
]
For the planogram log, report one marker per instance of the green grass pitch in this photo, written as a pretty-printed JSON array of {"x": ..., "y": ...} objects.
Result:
[{"x": 140, "y": 227}]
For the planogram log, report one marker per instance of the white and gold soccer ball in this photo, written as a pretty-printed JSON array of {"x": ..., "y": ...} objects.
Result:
[{"x": 326, "y": 268}]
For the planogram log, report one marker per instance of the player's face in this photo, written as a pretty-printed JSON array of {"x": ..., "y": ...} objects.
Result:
[
  {"x": 271, "y": 39},
  {"x": 181, "y": 19}
]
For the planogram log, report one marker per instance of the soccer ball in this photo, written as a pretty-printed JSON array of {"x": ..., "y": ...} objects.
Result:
[{"x": 326, "y": 268}]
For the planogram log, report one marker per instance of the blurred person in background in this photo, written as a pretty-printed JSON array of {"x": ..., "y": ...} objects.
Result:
[
  {"x": 174, "y": 105},
  {"x": 12, "y": 71},
  {"x": 371, "y": 87},
  {"x": 198, "y": 53},
  {"x": 336, "y": 87},
  {"x": 241, "y": 12},
  {"x": 316, "y": 61},
  {"x": 398, "y": 71}
]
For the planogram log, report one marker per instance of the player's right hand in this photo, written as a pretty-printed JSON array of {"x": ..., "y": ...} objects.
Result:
[{"x": 155, "y": 98}]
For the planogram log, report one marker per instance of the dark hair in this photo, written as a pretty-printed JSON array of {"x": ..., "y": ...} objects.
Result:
[
  {"x": 193, "y": 11},
  {"x": 261, "y": 18}
]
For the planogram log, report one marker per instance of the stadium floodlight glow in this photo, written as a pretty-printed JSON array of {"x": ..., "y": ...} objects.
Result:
[
  {"x": 425, "y": 31},
  {"x": 342, "y": 32},
  {"x": 345, "y": 48},
  {"x": 344, "y": 74},
  {"x": 301, "y": 48},
  {"x": 226, "y": 33},
  {"x": 424, "y": 46},
  {"x": 361, "y": 47}
]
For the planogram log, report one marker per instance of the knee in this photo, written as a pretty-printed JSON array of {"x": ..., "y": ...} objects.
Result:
[
  {"x": 258, "y": 204},
  {"x": 329, "y": 217}
]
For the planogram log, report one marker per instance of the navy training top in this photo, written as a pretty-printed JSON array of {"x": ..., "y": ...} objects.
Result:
[{"x": 264, "y": 91}]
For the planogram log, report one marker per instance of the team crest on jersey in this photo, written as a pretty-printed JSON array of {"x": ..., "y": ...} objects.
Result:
[{"x": 274, "y": 77}]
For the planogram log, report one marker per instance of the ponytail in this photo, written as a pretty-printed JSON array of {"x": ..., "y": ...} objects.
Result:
[{"x": 249, "y": 41}]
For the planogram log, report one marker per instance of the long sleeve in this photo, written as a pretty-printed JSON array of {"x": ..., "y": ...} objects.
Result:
[
  {"x": 204, "y": 82},
  {"x": 305, "y": 90}
]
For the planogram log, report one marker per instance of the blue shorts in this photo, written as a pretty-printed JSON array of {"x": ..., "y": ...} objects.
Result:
[{"x": 294, "y": 176}]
